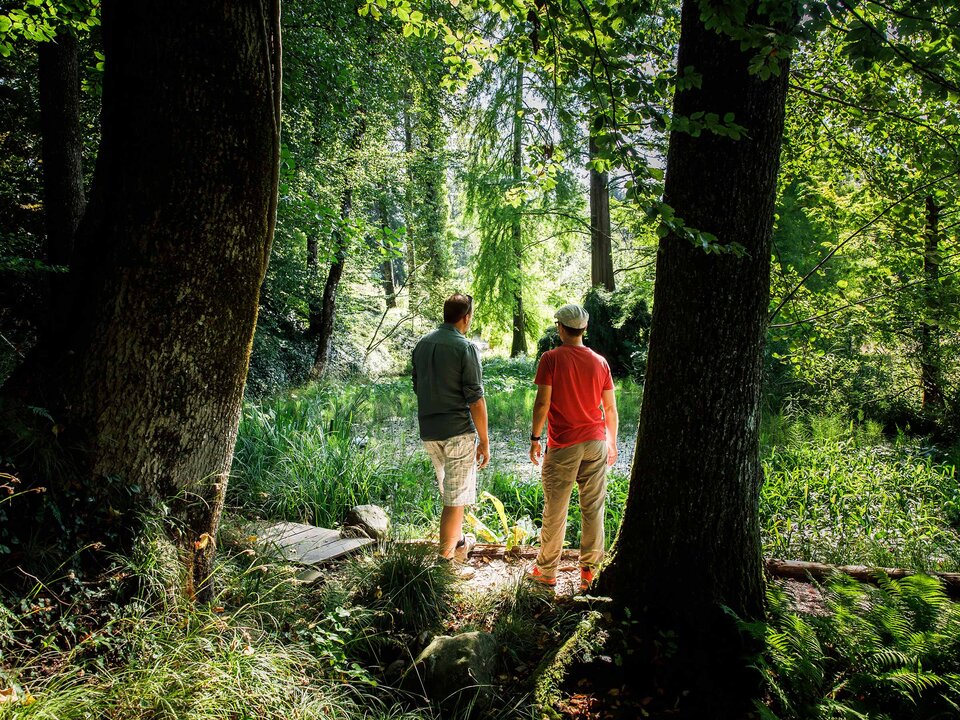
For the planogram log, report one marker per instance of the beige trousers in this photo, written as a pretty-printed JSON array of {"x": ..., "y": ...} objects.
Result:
[{"x": 586, "y": 464}]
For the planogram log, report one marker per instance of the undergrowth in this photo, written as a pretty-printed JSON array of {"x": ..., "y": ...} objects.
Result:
[
  {"x": 839, "y": 492},
  {"x": 877, "y": 653}
]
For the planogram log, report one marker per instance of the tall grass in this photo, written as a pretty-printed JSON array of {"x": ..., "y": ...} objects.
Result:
[
  {"x": 834, "y": 491},
  {"x": 259, "y": 651},
  {"x": 838, "y": 492},
  {"x": 306, "y": 457}
]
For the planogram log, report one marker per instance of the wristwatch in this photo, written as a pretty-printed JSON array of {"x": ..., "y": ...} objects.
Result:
[{"x": 535, "y": 438}]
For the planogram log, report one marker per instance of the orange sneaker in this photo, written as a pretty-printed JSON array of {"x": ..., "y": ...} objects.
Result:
[
  {"x": 538, "y": 577},
  {"x": 586, "y": 578}
]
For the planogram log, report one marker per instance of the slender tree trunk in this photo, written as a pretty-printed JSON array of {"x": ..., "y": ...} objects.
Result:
[
  {"x": 696, "y": 475},
  {"x": 386, "y": 267},
  {"x": 169, "y": 260},
  {"x": 62, "y": 154},
  {"x": 930, "y": 361},
  {"x": 601, "y": 249},
  {"x": 325, "y": 320},
  {"x": 322, "y": 319},
  {"x": 413, "y": 278},
  {"x": 519, "y": 344}
]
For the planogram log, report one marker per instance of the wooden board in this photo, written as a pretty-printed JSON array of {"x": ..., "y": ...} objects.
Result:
[{"x": 309, "y": 545}]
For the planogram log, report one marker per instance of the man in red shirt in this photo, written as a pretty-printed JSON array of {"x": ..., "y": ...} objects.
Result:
[{"x": 573, "y": 384}]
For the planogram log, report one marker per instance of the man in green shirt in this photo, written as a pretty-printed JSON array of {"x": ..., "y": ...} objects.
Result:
[{"x": 453, "y": 415}]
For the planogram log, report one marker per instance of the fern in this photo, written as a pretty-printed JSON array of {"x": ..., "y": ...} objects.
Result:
[{"x": 891, "y": 651}]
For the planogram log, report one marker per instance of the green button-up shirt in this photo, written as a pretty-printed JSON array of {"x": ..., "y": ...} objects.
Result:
[{"x": 447, "y": 379}]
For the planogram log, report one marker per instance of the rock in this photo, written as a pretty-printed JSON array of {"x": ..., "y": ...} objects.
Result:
[
  {"x": 373, "y": 519},
  {"x": 455, "y": 672},
  {"x": 353, "y": 531}
]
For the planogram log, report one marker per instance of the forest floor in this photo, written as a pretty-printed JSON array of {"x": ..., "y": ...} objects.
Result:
[{"x": 492, "y": 574}]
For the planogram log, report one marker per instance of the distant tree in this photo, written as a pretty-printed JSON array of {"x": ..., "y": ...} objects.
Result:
[{"x": 62, "y": 144}]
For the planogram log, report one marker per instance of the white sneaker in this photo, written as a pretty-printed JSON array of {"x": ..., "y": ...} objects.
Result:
[{"x": 464, "y": 547}]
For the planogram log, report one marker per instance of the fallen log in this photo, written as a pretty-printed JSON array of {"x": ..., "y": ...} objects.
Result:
[{"x": 806, "y": 571}]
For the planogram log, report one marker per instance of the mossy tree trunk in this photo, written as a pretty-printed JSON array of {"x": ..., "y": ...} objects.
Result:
[
  {"x": 694, "y": 492},
  {"x": 168, "y": 263}
]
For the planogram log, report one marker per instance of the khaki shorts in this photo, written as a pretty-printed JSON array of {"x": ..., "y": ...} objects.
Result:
[{"x": 455, "y": 462}]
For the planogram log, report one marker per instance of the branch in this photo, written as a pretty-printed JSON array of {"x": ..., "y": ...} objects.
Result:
[
  {"x": 923, "y": 71},
  {"x": 861, "y": 301}
]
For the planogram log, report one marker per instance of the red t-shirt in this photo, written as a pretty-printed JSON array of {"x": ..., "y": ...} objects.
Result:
[{"x": 578, "y": 377}]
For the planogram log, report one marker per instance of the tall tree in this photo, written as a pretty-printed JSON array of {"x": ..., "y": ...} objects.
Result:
[
  {"x": 169, "y": 259},
  {"x": 601, "y": 248},
  {"x": 518, "y": 345},
  {"x": 694, "y": 492}
]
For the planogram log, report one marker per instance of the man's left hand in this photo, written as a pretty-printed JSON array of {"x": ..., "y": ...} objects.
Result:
[{"x": 612, "y": 452}]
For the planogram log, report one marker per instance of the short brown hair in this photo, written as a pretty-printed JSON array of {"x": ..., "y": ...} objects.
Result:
[
  {"x": 573, "y": 332},
  {"x": 457, "y": 307}
]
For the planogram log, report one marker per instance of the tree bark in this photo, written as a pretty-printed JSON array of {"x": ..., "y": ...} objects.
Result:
[
  {"x": 322, "y": 319},
  {"x": 386, "y": 267},
  {"x": 62, "y": 155},
  {"x": 169, "y": 260},
  {"x": 323, "y": 322},
  {"x": 696, "y": 475},
  {"x": 413, "y": 277},
  {"x": 601, "y": 250},
  {"x": 518, "y": 345},
  {"x": 931, "y": 380}
]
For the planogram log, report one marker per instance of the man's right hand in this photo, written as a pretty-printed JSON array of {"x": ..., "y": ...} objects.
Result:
[
  {"x": 536, "y": 451},
  {"x": 483, "y": 454}
]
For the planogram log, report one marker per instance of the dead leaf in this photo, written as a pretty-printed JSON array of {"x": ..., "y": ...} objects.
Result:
[
  {"x": 8, "y": 695},
  {"x": 204, "y": 540}
]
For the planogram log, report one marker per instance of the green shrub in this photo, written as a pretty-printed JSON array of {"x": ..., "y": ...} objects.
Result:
[
  {"x": 405, "y": 584},
  {"x": 619, "y": 330}
]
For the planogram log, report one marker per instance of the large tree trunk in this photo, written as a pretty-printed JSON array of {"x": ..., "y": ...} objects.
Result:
[
  {"x": 169, "y": 260},
  {"x": 518, "y": 345},
  {"x": 696, "y": 475},
  {"x": 62, "y": 153},
  {"x": 601, "y": 250},
  {"x": 931, "y": 380}
]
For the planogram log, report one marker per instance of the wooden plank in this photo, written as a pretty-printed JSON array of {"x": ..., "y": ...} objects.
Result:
[
  {"x": 309, "y": 545},
  {"x": 330, "y": 551},
  {"x": 283, "y": 533}
]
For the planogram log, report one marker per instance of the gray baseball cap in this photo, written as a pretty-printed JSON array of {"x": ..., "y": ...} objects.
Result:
[{"x": 573, "y": 316}]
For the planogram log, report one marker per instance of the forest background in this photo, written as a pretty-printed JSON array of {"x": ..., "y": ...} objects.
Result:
[{"x": 519, "y": 153}]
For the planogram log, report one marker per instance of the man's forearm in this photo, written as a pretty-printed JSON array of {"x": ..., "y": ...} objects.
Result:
[
  {"x": 612, "y": 421},
  {"x": 539, "y": 418},
  {"x": 478, "y": 411}
]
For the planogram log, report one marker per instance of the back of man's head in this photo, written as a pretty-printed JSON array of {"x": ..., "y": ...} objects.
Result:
[{"x": 456, "y": 308}]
